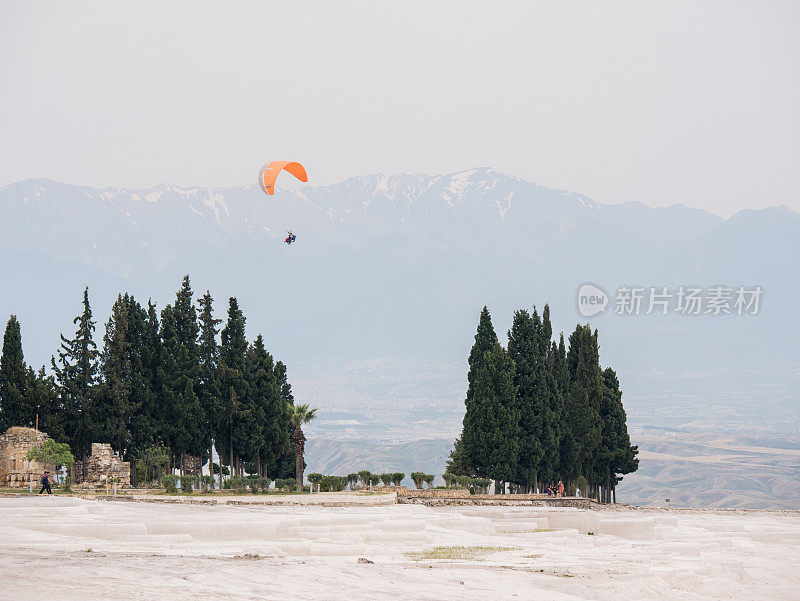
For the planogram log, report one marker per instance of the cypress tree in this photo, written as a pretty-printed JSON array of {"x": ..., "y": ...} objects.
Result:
[
  {"x": 186, "y": 431},
  {"x": 456, "y": 463},
  {"x": 554, "y": 404},
  {"x": 617, "y": 454},
  {"x": 150, "y": 421},
  {"x": 41, "y": 395},
  {"x": 584, "y": 398},
  {"x": 233, "y": 384},
  {"x": 529, "y": 379},
  {"x": 209, "y": 392},
  {"x": 77, "y": 373},
  {"x": 116, "y": 403},
  {"x": 567, "y": 450},
  {"x": 14, "y": 411},
  {"x": 285, "y": 462},
  {"x": 491, "y": 433},
  {"x": 485, "y": 339},
  {"x": 270, "y": 406}
]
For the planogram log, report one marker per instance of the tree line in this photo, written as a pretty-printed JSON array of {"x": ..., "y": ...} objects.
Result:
[
  {"x": 176, "y": 383},
  {"x": 537, "y": 412}
]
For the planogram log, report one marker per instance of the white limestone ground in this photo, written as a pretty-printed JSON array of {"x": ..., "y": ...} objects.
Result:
[{"x": 67, "y": 548}]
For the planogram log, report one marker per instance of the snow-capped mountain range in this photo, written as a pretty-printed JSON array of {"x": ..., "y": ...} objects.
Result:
[{"x": 400, "y": 265}]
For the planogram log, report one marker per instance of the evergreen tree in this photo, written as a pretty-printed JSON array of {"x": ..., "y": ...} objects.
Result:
[
  {"x": 270, "y": 407},
  {"x": 584, "y": 398},
  {"x": 149, "y": 426},
  {"x": 456, "y": 463},
  {"x": 41, "y": 395},
  {"x": 180, "y": 359},
  {"x": 553, "y": 423},
  {"x": 529, "y": 379},
  {"x": 77, "y": 373},
  {"x": 14, "y": 411},
  {"x": 116, "y": 403},
  {"x": 616, "y": 454},
  {"x": 490, "y": 435},
  {"x": 485, "y": 339},
  {"x": 285, "y": 456},
  {"x": 231, "y": 436},
  {"x": 209, "y": 392}
]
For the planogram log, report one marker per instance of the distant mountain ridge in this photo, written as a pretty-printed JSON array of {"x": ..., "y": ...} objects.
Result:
[
  {"x": 400, "y": 265},
  {"x": 127, "y": 231}
]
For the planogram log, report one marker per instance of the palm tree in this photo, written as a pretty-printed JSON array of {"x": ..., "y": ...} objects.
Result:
[{"x": 300, "y": 415}]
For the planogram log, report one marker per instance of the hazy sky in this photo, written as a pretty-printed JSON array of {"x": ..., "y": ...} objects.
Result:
[{"x": 693, "y": 102}]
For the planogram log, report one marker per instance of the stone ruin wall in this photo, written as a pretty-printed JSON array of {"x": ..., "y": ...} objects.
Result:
[
  {"x": 191, "y": 465},
  {"x": 103, "y": 464},
  {"x": 15, "y": 469}
]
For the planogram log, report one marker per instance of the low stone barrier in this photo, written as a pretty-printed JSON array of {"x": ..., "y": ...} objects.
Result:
[{"x": 444, "y": 497}]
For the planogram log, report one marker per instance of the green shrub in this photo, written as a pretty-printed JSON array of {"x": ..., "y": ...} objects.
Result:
[
  {"x": 421, "y": 478},
  {"x": 238, "y": 484},
  {"x": 225, "y": 470},
  {"x": 291, "y": 483},
  {"x": 187, "y": 484},
  {"x": 463, "y": 481},
  {"x": 66, "y": 485},
  {"x": 207, "y": 483},
  {"x": 280, "y": 483},
  {"x": 481, "y": 485},
  {"x": 365, "y": 476},
  {"x": 169, "y": 481},
  {"x": 314, "y": 478},
  {"x": 582, "y": 484},
  {"x": 254, "y": 482},
  {"x": 332, "y": 483}
]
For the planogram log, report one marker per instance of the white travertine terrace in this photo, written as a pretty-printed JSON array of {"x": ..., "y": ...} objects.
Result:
[{"x": 168, "y": 551}]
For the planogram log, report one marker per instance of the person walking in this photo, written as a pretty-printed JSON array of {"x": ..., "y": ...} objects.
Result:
[
  {"x": 45, "y": 481},
  {"x": 560, "y": 488}
]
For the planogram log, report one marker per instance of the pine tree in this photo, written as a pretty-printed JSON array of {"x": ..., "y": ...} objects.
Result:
[
  {"x": 77, "y": 373},
  {"x": 14, "y": 411}
]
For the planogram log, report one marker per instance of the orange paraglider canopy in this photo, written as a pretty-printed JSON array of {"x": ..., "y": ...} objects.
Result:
[{"x": 269, "y": 173}]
